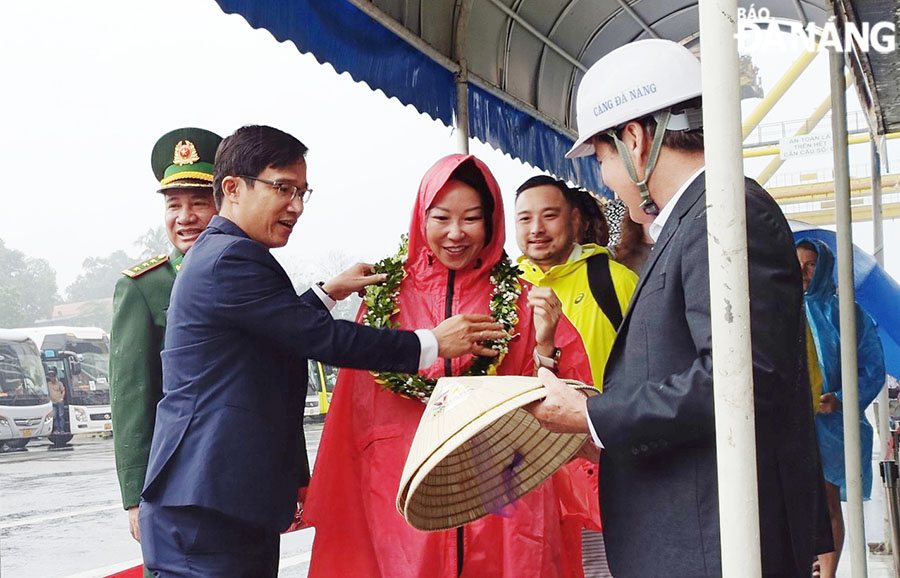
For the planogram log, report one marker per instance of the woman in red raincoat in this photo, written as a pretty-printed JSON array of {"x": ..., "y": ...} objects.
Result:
[{"x": 455, "y": 239}]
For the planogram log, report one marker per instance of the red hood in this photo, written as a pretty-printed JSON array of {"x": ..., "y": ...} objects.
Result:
[
  {"x": 422, "y": 263},
  {"x": 370, "y": 429}
]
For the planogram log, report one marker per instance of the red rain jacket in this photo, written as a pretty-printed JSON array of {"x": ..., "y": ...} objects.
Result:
[{"x": 368, "y": 432}]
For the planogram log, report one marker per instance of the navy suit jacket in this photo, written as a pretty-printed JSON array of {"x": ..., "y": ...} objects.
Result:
[
  {"x": 658, "y": 483},
  {"x": 229, "y": 429}
]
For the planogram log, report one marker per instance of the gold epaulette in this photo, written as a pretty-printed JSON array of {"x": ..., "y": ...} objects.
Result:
[{"x": 143, "y": 267}]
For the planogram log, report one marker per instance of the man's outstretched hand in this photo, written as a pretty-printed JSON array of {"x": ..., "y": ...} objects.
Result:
[
  {"x": 462, "y": 334},
  {"x": 353, "y": 280},
  {"x": 564, "y": 410}
]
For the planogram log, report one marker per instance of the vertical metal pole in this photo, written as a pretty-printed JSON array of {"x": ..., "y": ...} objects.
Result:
[
  {"x": 882, "y": 421},
  {"x": 877, "y": 219},
  {"x": 729, "y": 292},
  {"x": 462, "y": 113},
  {"x": 460, "y": 36},
  {"x": 892, "y": 503},
  {"x": 847, "y": 294}
]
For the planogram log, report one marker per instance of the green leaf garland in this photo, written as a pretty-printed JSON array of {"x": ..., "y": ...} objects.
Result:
[{"x": 382, "y": 306}]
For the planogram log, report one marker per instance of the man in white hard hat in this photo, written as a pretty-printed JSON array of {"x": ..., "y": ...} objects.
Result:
[{"x": 639, "y": 114}]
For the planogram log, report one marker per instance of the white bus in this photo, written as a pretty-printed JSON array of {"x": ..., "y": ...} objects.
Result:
[
  {"x": 80, "y": 356},
  {"x": 25, "y": 408}
]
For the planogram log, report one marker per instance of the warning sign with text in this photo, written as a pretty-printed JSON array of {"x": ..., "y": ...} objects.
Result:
[{"x": 806, "y": 145}]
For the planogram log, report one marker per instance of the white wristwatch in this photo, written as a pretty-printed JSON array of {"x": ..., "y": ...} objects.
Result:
[{"x": 548, "y": 362}]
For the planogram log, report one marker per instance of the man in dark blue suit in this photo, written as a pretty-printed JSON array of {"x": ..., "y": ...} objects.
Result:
[
  {"x": 655, "y": 419},
  {"x": 228, "y": 452}
]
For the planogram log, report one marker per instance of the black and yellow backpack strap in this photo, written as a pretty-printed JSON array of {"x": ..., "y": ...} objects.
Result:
[
  {"x": 144, "y": 266},
  {"x": 602, "y": 288}
]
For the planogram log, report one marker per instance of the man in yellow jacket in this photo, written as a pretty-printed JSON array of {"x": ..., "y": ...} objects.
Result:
[{"x": 594, "y": 290}]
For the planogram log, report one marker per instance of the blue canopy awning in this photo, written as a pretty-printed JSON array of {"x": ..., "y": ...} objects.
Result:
[
  {"x": 523, "y": 61},
  {"x": 339, "y": 33}
]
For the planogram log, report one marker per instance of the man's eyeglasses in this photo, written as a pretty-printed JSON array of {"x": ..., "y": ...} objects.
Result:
[{"x": 284, "y": 189}]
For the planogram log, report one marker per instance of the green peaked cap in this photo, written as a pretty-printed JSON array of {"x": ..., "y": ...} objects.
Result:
[{"x": 184, "y": 157}]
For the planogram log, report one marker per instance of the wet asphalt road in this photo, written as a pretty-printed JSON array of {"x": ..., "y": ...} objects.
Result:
[{"x": 61, "y": 514}]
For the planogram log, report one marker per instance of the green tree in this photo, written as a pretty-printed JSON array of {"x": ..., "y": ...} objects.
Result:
[
  {"x": 305, "y": 274},
  {"x": 98, "y": 277},
  {"x": 100, "y": 274},
  {"x": 96, "y": 313},
  {"x": 97, "y": 281},
  {"x": 27, "y": 288},
  {"x": 12, "y": 314},
  {"x": 154, "y": 242}
]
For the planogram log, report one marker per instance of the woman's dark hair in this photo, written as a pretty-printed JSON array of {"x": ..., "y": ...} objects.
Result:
[
  {"x": 252, "y": 149},
  {"x": 631, "y": 240},
  {"x": 469, "y": 173},
  {"x": 594, "y": 226}
]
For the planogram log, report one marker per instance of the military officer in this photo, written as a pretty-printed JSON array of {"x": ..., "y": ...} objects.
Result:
[{"x": 182, "y": 161}]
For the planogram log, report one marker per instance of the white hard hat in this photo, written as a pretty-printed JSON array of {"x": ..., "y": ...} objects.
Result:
[{"x": 633, "y": 81}]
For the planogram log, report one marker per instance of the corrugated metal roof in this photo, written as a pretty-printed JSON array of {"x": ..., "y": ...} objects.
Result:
[
  {"x": 882, "y": 69},
  {"x": 522, "y": 56},
  {"x": 502, "y": 52}
]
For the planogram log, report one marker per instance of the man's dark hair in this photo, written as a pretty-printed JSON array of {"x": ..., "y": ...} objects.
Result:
[
  {"x": 685, "y": 140},
  {"x": 595, "y": 228},
  {"x": 250, "y": 151},
  {"x": 808, "y": 245},
  {"x": 542, "y": 180},
  {"x": 469, "y": 173}
]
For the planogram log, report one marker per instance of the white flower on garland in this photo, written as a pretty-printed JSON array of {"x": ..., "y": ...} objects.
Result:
[{"x": 382, "y": 306}]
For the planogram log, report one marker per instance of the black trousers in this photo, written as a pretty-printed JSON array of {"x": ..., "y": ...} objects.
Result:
[{"x": 195, "y": 542}]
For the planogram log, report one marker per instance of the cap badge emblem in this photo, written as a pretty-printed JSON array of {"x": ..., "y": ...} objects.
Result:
[{"x": 185, "y": 153}]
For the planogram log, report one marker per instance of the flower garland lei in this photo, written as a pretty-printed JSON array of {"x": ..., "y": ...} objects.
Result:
[{"x": 381, "y": 305}]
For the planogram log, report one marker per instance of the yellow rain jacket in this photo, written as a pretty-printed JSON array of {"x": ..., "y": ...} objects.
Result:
[{"x": 570, "y": 283}]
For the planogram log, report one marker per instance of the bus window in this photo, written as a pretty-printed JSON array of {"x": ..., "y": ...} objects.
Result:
[
  {"x": 22, "y": 380},
  {"x": 89, "y": 349},
  {"x": 331, "y": 374},
  {"x": 313, "y": 387},
  {"x": 91, "y": 385}
]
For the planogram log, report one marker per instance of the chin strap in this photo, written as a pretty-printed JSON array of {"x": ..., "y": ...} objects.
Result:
[{"x": 647, "y": 204}]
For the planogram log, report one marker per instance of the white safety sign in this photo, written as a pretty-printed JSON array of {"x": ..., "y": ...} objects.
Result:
[{"x": 806, "y": 145}]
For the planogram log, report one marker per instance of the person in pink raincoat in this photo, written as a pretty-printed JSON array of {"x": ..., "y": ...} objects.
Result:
[{"x": 455, "y": 239}]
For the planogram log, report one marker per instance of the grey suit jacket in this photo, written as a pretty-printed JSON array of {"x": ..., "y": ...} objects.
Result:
[{"x": 658, "y": 479}]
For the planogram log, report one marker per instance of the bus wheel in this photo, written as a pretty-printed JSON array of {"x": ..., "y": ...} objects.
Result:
[
  {"x": 17, "y": 444},
  {"x": 60, "y": 439}
]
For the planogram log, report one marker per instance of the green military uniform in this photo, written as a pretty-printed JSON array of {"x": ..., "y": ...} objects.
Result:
[
  {"x": 138, "y": 330},
  {"x": 181, "y": 159}
]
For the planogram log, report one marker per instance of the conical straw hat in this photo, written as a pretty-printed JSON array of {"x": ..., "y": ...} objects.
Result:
[{"x": 476, "y": 450}]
